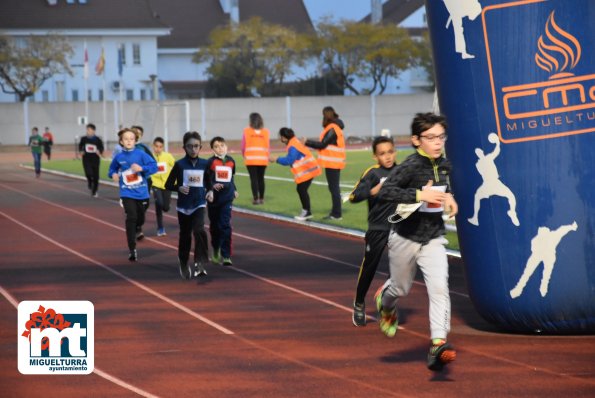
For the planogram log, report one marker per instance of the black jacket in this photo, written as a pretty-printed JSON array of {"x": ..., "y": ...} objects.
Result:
[
  {"x": 95, "y": 140},
  {"x": 402, "y": 185},
  {"x": 378, "y": 210},
  {"x": 330, "y": 138}
]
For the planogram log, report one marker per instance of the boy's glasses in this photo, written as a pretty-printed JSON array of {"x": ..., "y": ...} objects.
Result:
[
  {"x": 433, "y": 138},
  {"x": 196, "y": 146}
]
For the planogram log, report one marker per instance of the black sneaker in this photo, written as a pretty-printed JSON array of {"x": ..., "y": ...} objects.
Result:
[
  {"x": 440, "y": 354},
  {"x": 132, "y": 256},
  {"x": 359, "y": 314},
  {"x": 199, "y": 270},
  {"x": 140, "y": 235},
  {"x": 184, "y": 269}
]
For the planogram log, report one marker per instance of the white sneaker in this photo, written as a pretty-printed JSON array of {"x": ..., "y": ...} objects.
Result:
[{"x": 304, "y": 215}]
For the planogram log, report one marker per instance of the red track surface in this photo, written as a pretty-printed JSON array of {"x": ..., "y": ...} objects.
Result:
[{"x": 277, "y": 324}]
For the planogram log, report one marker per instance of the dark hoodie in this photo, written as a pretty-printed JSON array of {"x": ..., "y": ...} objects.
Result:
[{"x": 330, "y": 138}]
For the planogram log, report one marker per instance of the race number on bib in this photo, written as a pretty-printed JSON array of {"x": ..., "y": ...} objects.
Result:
[
  {"x": 161, "y": 168},
  {"x": 91, "y": 148},
  {"x": 223, "y": 173},
  {"x": 193, "y": 178},
  {"x": 431, "y": 207},
  {"x": 131, "y": 178}
]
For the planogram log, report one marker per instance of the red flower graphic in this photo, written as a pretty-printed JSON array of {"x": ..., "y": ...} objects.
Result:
[{"x": 45, "y": 319}]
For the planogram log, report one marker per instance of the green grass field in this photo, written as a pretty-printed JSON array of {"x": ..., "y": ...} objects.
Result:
[{"x": 280, "y": 196}]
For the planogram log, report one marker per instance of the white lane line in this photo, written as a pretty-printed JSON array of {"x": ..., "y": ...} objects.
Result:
[
  {"x": 96, "y": 370},
  {"x": 247, "y": 237},
  {"x": 120, "y": 275}
]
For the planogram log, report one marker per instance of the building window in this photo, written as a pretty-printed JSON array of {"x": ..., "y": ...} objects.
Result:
[
  {"x": 142, "y": 95},
  {"x": 89, "y": 95},
  {"x": 100, "y": 94},
  {"x": 45, "y": 95},
  {"x": 136, "y": 54},
  {"x": 122, "y": 50},
  {"x": 60, "y": 92},
  {"x": 129, "y": 95},
  {"x": 75, "y": 95}
]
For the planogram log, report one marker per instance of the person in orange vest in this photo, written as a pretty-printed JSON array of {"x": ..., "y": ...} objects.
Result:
[
  {"x": 48, "y": 141},
  {"x": 331, "y": 156},
  {"x": 255, "y": 150},
  {"x": 303, "y": 166}
]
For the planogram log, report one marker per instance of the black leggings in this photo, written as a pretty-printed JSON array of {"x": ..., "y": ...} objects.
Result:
[
  {"x": 135, "y": 218},
  {"x": 257, "y": 181},
  {"x": 162, "y": 200},
  {"x": 374, "y": 244},
  {"x": 333, "y": 177},
  {"x": 193, "y": 224},
  {"x": 91, "y": 167},
  {"x": 302, "y": 190}
]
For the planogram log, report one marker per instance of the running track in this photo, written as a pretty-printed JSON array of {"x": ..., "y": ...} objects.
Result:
[{"x": 277, "y": 324}]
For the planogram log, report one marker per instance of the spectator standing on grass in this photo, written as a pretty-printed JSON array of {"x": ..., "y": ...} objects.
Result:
[
  {"x": 36, "y": 143},
  {"x": 221, "y": 168},
  {"x": 331, "y": 156},
  {"x": 91, "y": 148},
  {"x": 48, "y": 141},
  {"x": 130, "y": 169},
  {"x": 191, "y": 181},
  {"x": 303, "y": 166},
  {"x": 255, "y": 150},
  {"x": 367, "y": 188},
  {"x": 165, "y": 163}
]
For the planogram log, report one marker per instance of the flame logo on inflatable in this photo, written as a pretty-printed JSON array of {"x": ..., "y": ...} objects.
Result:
[{"x": 558, "y": 52}]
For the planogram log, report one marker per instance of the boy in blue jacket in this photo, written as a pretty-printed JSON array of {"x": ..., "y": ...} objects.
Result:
[
  {"x": 221, "y": 168},
  {"x": 130, "y": 169},
  {"x": 190, "y": 179}
]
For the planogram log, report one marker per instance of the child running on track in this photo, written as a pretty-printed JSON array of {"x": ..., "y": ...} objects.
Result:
[
  {"x": 36, "y": 143},
  {"x": 190, "y": 179},
  {"x": 130, "y": 168},
  {"x": 376, "y": 237},
  {"x": 165, "y": 162},
  {"x": 303, "y": 166},
  {"x": 221, "y": 168},
  {"x": 91, "y": 148},
  {"x": 418, "y": 239}
]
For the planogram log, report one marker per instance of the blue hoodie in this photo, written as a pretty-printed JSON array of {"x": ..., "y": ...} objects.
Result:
[{"x": 133, "y": 185}]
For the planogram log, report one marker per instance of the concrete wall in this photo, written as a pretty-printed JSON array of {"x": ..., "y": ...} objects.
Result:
[{"x": 363, "y": 116}]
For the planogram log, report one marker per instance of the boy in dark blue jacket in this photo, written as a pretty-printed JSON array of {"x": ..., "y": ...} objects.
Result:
[
  {"x": 190, "y": 179},
  {"x": 221, "y": 168},
  {"x": 131, "y": 168}
]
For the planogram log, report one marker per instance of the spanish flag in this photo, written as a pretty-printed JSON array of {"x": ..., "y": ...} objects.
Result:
[{"x": 100, "y": 66}]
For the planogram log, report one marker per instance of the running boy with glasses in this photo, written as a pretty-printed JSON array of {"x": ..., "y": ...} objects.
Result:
[{"x": 418, "y": 240}]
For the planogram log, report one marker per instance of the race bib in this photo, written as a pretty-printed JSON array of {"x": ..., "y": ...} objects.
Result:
[
  {"x": 193, "y": 178},
  {"x": 90, "y": 148},
  {"x": 131, "y": 178},
  {"x": 34, "y": 143},
  {"x": 223, "y": 173},
  {"x": 431, "y": 207},
  {"x": 161, "y": 168}
]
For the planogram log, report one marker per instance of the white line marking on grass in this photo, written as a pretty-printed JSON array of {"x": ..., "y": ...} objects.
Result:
[
  {"x": 96, "y": 370},
  {"x": 120, "y": 275}
]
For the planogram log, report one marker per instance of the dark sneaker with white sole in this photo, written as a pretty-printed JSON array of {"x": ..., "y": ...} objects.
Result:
[{"x": 359, "y": 314}]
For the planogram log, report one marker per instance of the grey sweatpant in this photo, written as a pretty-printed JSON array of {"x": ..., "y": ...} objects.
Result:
[{"x": 403, "y": 256}]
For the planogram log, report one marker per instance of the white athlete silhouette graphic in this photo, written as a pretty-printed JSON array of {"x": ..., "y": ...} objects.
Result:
[
  {"x": 543, "y": 249},
  {"x": 459, "y": 9},
  {"x": 491, "y": 185}
]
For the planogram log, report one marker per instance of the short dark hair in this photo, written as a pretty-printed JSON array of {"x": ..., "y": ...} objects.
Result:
[
  {"x": 217, "y": 139},
  {"x": 381, "y": 139},
  {"x": 286, "y": 132},
  {"x": 34, "y": 129},
  {"x": 159, "y": 139},
  {"x": 91, "y": 126},
  {"x": 189, "y": 135},
  {"x": 425, "y": 121}
]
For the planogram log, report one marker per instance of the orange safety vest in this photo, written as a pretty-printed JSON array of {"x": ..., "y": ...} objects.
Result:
[
  {"x": 305, "y": 168},
  {"x": 256, "y": 151},
  {"x": 333, "y": 156}
]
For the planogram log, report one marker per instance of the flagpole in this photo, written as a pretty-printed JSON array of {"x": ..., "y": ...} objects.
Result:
[
  {"x": 86, "y": 76},
  {"x": 120, "y": 71}
]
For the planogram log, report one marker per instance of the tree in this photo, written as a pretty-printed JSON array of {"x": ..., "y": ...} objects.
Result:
[
  {"x": 376, "y": 51},
  {"x": 26, "y": 63},
  {"x": 253, "y": 54},
  {"x": 426, "y": 60}
]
